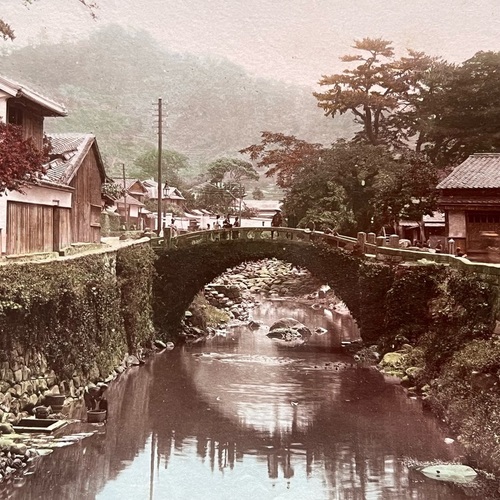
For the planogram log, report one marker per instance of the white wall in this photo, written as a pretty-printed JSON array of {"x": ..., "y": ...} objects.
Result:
[{"x": 456, "y": 224}]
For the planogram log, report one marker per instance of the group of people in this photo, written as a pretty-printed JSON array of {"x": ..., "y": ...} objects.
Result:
[{"x": 225, "y": 223}]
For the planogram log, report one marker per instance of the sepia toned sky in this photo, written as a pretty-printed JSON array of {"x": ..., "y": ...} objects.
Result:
[{"x": 292, "y": 40}]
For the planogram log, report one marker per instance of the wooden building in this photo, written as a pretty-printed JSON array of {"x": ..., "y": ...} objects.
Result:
[
  {"x": 22, "y": 106},
  {"x": 64, "y": 206},
  {"x": 470, "y": 198}
]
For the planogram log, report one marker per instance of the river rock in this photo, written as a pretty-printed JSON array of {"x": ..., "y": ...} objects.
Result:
[
  {"x": 288, "y": 329},
  {"x": 456, "y": 473},
  {"x": 392, "y": 360},
  {"x": 159, "y": 344}
]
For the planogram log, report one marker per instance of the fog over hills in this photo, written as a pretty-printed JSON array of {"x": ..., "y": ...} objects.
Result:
[{"x": 110, "y": 83}]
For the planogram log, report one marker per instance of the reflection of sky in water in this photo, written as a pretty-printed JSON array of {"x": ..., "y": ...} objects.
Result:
[{"x": 244, "y": 418}]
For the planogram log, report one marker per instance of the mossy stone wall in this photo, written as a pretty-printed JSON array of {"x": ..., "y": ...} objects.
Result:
[{"x": 70, "y": 321}]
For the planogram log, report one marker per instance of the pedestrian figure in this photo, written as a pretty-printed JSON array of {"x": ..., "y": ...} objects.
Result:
[
  {"x": 236, "y": 223},
  {"x": 226, "y": 223},
  {"x": 217, "y": 224},
  {"x": 173, "y": 227},
  {"x": 276, "y": 221}
]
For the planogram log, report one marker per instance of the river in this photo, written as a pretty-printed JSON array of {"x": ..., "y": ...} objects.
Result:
[{"x": 245, "y": 417}]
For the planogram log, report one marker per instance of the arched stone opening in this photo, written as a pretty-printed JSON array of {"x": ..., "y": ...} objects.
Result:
[{"x": 183, "y": 272}]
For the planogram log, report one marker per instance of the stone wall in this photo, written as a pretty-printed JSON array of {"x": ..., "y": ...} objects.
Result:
[{"x": 40, "y": 353}]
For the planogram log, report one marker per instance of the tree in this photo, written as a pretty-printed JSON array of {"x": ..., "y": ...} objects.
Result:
[
  {"x": 350, "y": 186},
  {"x": 225, "y": 184},
  {"x": 21, "y": 162},
  {"x": 282, "y": 155},
  {"x": 172, "y": 163},
  {"x": 257, "y": 194},
  {"x": 231, "y": 171},
  {"x": 7, "y": 33},
  {"x": 459, "y": 113},
  {"x": 376, "y": 90}
]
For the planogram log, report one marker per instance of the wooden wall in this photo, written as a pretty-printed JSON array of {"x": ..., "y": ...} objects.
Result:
[
  {"x": 30, "y": 228},
  {"x": 86, "y": 207},
  {"x": 30, "y": 121}
]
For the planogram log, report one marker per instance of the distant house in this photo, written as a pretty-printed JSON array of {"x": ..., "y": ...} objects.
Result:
[
  {"x": 432, "y": 225},
  {"x": 133, "y": 212},
  {"x": 263, "y": 208},
  {"x": 470, "y": 198},
  {"x": 64, "y": 206},
  {"x": 134, "y": 187},
  {"x": 170, "y": 195}
]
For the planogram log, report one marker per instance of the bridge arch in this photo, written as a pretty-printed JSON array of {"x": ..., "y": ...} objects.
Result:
[{"x": 184, "y": 269}]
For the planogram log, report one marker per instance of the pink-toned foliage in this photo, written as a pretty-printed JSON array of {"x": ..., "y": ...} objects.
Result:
[{"x": 21, "y": 162}]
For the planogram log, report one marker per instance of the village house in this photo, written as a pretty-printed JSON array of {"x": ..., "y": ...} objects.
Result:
[
  {"x": 64, "y": 206},
  {"x": 470, "y": 199},
  {"x": 170, "y": 195},
  {"x": 131, "y": 207}
]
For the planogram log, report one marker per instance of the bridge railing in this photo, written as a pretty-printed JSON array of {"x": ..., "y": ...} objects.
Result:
[
  {"x": 380, "y": 248},
  {"x": 250, "y": 233}
]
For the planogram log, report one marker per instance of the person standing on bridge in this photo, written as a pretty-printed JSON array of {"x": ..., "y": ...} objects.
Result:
[
  {"x": 236, "y": 223},
  {"x": 276, "y": 221}
]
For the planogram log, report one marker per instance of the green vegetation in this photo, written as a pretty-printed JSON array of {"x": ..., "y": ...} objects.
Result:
[
  {"x": 415, "y": 116},
  {"x": 212, "y": 107},
  {"x": 74, "y": 312}
]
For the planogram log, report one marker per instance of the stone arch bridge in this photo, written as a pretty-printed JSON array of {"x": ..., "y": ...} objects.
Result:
[{"x": 188, "y": 262}]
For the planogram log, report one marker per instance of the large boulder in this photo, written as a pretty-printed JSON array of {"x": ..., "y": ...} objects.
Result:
[{"x": 289, "y": 329}]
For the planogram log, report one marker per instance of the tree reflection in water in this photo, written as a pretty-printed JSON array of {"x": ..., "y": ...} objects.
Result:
[{"x": 256, "y": 421}]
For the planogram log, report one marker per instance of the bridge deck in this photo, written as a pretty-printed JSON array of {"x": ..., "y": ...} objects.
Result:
[{"x": 369, "y": 250}]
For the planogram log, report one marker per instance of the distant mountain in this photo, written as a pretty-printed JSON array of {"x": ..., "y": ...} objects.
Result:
[{"x": 110, "y": 83}]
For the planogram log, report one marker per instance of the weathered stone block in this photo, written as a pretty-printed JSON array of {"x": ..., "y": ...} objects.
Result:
[{"x": 18, "y": 376}]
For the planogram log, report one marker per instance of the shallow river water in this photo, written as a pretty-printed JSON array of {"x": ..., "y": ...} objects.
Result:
[{"x": 244, "y": 417}]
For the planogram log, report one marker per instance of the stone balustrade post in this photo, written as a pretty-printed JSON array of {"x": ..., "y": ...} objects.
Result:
[
  {"x": 394, "y": 241},
  {"x": 361, "y": 241},
  {"x": 380, "y": 241},
  {"x": 167, "y": 236},
  {"x": 451, "y": 246},
  {"x": 371, "y": 238}
]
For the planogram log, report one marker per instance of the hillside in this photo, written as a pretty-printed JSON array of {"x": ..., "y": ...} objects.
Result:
[{"x": 110, "y": 83}]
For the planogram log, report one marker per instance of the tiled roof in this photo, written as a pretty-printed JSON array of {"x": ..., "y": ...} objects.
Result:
[
  {"x": 68, "y": 151},
  {"x": 477, "y": 171},
  {"x": 130, "y": 200},
  {"x": 129, "y": 182}
]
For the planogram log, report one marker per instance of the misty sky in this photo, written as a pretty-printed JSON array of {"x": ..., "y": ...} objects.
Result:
[{"x": 293, "y": 40}]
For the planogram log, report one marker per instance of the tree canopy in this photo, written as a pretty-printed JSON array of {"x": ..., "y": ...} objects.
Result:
[
  {"x": 21, "y": 162},
  {"x": 173, "y": 164},
  {"x": 377, "y": 90},
  {"x": 349, "y": 186}
]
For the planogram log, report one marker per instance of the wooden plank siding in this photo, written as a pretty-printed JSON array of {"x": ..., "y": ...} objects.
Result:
[
  {"x": 30, "y": 121},
  {"x": 86, "y": 205},
  {"x": 62, "y": 228},
  {"x": 30, "y": 228}
]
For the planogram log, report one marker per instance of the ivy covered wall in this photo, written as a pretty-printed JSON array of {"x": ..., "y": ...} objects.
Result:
[{"x": 82, "y": 314}]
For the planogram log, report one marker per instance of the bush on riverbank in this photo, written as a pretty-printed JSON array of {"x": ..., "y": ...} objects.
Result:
[
  {"x": 455, "y": 358},
  {"x": 135, "y": 271}
]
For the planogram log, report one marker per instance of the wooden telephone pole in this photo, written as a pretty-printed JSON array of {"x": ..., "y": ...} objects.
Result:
[{"x": 160, "y": 144}]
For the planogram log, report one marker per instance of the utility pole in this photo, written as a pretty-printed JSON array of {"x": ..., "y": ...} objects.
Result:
[
  {"x": 125, "y": 196},
  {"x": 160, "y": 141}
]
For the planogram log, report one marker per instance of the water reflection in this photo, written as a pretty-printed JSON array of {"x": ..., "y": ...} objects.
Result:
[{"x": 244, "y": 418}]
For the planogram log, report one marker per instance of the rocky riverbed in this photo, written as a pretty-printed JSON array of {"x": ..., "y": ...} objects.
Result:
[{"x": 237, "y": 291}]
